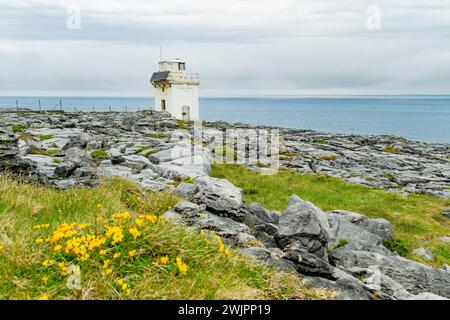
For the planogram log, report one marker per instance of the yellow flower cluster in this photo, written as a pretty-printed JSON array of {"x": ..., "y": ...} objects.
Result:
[
  {"x": 122, "y": 216},
  {"x": 222, "y": 248},
  {"x": 116, "y": 233},
  {"x": 134, "y": 232},
  {"x": 182, "y": 267},
  {"x": 123, "y": 285},
  {"x": 105, "y": 246}
]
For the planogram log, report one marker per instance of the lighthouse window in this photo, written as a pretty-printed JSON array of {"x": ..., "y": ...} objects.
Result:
[
  {"x": 163, "y": 105},
  {"x": 182, "y": 66}
]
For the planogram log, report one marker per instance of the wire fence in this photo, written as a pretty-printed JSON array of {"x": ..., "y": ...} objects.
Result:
[{"x": 60, "y": 106}]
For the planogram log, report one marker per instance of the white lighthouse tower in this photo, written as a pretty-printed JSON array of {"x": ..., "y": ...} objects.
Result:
[{"x": 175, "y": 90}]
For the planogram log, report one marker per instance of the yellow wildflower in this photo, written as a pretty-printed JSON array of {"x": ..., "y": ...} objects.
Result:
[
  {"x": 139, "y": 222},
  {"x": 102, "y": 252},
  {"x": 99, "y": 206},
  {"x": 116, "y": 255},
  {"x": 152, "y": 218},
  {"x": 131, "y": 253},
  {"x": 108, "y": 271},
  {"x": 164, "y": 260},
  {"x": 39, "y": 241},
  {"x": 182, "y": 267},
  {"x": 134, "y": 232},
  {"x": 58, "y": 247},
  {"x": 106, "y": 263},
  {"x": 44, "y": 279},
  {"x": 116, "y": 233},
  {"x": 227, "y": 252},
  {"x": 43, "y": 298},
  {"x": 119, "y": 282},
  {"x": 124, "y": 215}
]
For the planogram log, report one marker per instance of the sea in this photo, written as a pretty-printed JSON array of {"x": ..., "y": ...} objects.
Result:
[{"x": 420, "y": 118}]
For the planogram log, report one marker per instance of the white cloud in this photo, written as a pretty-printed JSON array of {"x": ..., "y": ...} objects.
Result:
[{"x": 238, "y": 46}]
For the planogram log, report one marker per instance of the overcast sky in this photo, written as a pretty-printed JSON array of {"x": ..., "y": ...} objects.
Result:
[{"x": 239, "y": 47}]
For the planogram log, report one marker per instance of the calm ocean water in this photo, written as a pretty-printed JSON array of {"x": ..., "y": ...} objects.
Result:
[{"x": 425, "y": 118}]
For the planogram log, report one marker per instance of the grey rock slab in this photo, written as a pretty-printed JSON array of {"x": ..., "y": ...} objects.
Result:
[
  {"x": 219, "y": 195},
  {"x": 425, "y": 254},
  {"x": 303, "y": 226},
  {"x": 413, "y": 276}
]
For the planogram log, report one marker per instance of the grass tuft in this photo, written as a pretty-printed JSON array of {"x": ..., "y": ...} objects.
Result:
[{"x": 130, "y": 252}]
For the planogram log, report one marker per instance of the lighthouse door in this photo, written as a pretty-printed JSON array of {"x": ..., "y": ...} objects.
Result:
[{"x": 186, "y": 113}]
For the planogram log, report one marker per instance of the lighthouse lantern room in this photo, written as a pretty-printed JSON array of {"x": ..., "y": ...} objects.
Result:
[{"x": 175, "y": 90}]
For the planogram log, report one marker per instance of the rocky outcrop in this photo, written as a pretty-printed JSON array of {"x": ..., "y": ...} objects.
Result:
[
  {"x": 70, "y": 149},
  {"x": 388, "y": 162},
  {"x": 303, "y": 226},
  {"x": 8, "y": 149},
  {"x": 338, "y": 249}
]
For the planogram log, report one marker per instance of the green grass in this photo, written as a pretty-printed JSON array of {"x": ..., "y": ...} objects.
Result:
[
  {"x": 156, "y": 136},
  {"x": 149, "y": 150},
  {"x": 185, "y": 180},
  {"x": 43, "y": 137},
  {"x": 25, "y": 136},
  {"x": 43, "y": 152},
  {"x": 100, "y": 154},
  {"x": 18, "y": 127},
  {"x": 329, "y": 158},
  {"x": 24, "y": 273},
  {"x": 57, "y": 160},
  {"x": 416, "y": 219}
]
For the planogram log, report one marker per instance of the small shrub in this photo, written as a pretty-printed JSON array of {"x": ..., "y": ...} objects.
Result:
[
  {"x": 18, "y": 127},
  {"x": 56, "y": 160},
  {"x": 100, "y": 154},
  {"x": 397, "y": 245}
]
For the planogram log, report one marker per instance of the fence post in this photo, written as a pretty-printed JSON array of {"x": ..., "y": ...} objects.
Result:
[
  {"x": 39, "y": 104},
  {"x": 109, "y": 108},
  {"x": 60, "y": 105}
]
